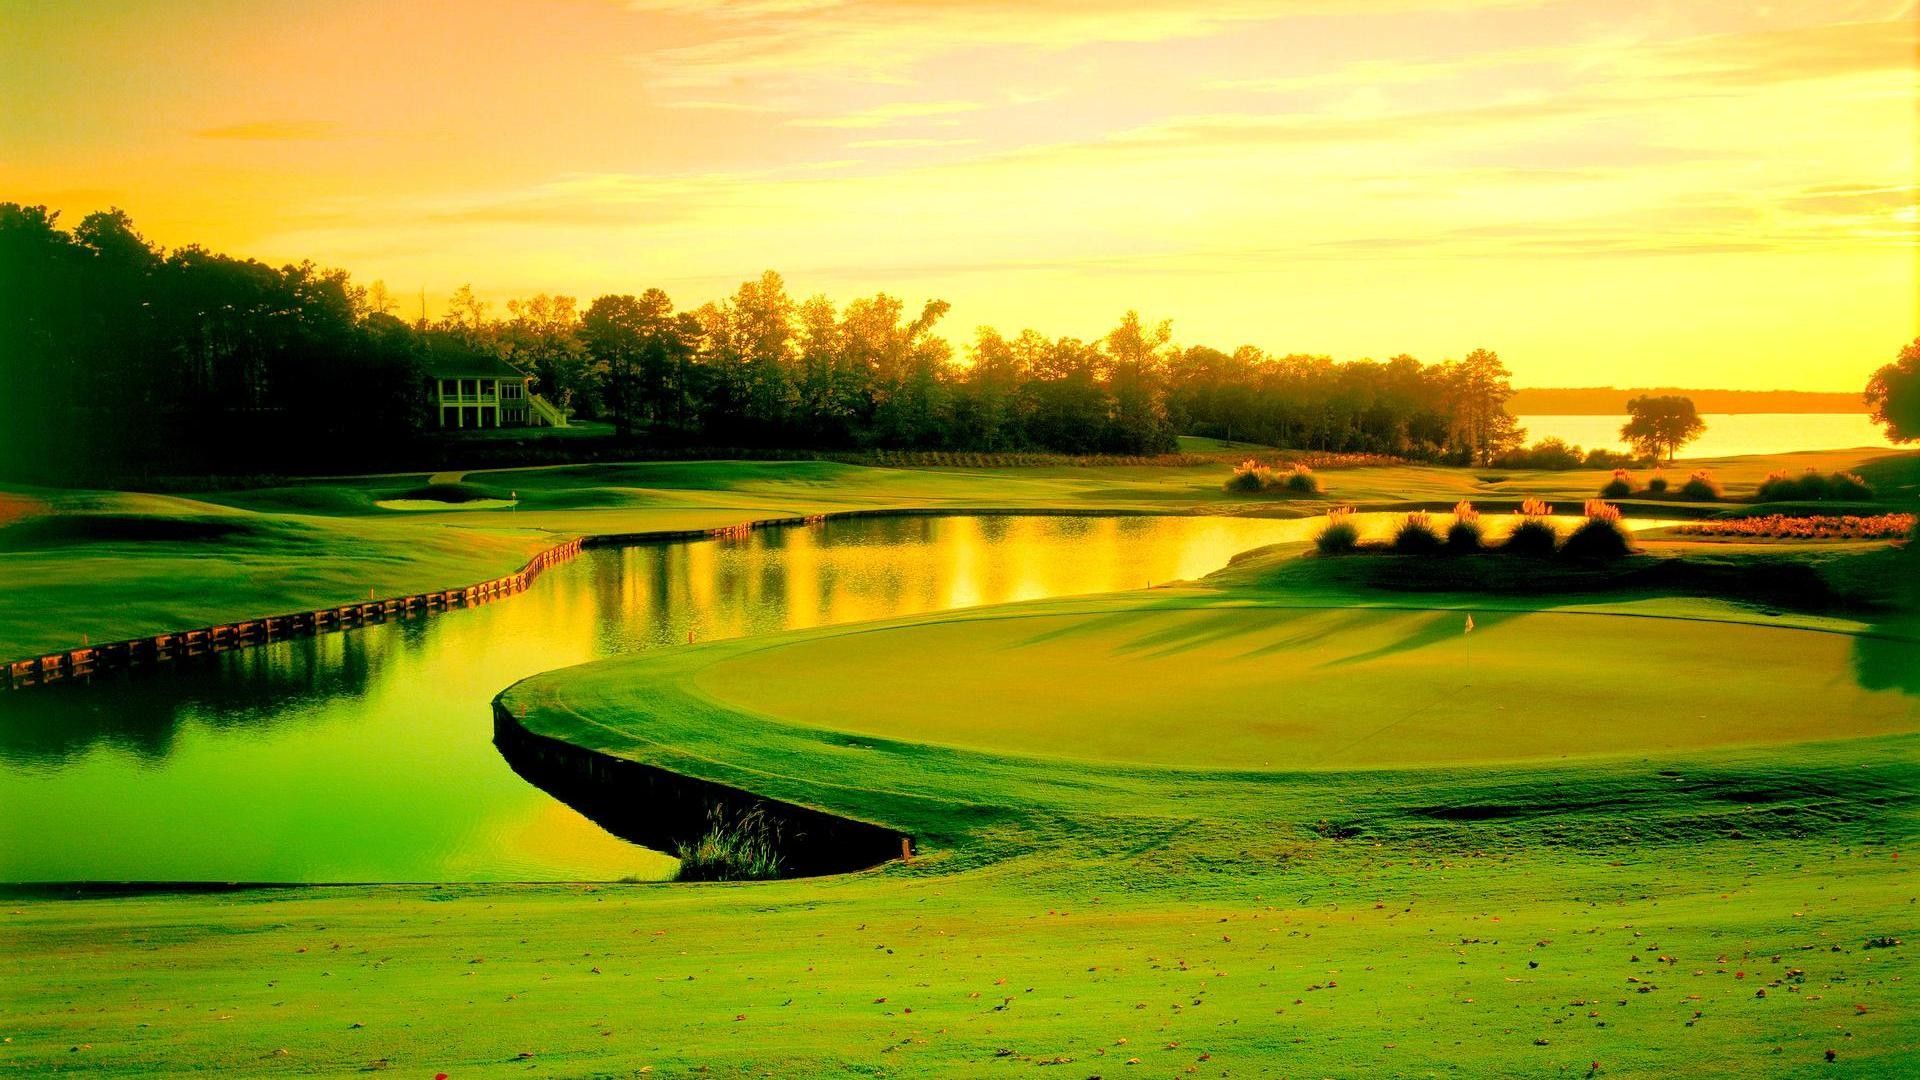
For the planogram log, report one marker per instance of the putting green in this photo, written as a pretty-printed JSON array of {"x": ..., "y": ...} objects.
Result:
[{"x": 1291, "y": 688}]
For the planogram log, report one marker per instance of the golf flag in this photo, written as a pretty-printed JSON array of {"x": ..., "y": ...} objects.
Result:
[{"x": 1469, "y": 628}]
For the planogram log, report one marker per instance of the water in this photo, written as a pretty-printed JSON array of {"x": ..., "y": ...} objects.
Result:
[
  {"x": 1727, "y": 434},
  {"x": 367, "y": 755}
]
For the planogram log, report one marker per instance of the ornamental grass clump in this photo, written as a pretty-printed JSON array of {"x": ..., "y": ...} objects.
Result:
[
  {"x": 743, "y": 848},
  {"x": 1701, "y": 487},
  {"x": 1534, "y": 535},
  {"x": 1619, "y": 487},
  {"x": 1340, "y": 536},
  {"x": 1810, "y": 486},
  {"x": 1416, "y": 536},
  {"x": 1656, "y": 484},
  {"x": 1601, "y": 537},
  {"x": 1465, "y": 536},
  {"x": 1250, "y": 477}
]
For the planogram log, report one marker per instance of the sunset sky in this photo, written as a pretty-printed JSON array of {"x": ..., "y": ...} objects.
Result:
[{"x": 1703, "y": 193}]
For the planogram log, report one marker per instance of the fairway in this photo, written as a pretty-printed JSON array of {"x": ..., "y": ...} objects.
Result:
[{"x": 1289, "y": 688}]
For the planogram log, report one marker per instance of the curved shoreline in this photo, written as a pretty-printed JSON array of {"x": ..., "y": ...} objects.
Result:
[
  {"x": 79, "y": 663},
  {"x": 64, "y": 665}
]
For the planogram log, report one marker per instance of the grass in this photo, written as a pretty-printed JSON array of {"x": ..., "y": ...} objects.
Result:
[
  {"x": 744, "y": 847},
  {"x": 1268, "y": 823},
  {"x": 113, "y": 565}
]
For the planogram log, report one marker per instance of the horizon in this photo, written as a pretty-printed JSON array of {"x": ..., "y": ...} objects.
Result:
[{"x": 1600, "y": 196}]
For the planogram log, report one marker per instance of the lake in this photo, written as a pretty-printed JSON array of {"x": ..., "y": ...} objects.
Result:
[
  {"x": 367, "y": 755},
  {"x": 1727, "y": 434}
]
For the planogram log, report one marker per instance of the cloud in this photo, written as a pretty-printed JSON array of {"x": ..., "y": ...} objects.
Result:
[
  {"x": 1798, "y": 53},
  {"x": 889, "y": 114},
  {"x": 884, "y": 40},
  {"x": 1851, "y": 200},
  {"x": 274, "y": 131},
  {"x": 908, "y": 144}
]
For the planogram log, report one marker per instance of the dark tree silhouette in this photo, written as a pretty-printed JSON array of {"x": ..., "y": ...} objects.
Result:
[
  {"x": 1894, "y": 395},
  {"x": 122, "y": 360},
  {"x": 1658, "y": 425}
]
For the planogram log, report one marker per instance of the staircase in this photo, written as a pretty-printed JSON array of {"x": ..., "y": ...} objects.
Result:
[{"x": 545, "y": 413}]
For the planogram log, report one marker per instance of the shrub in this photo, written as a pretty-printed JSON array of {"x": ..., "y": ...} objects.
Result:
[
  {"x": 1811, "y": 486},
  {"x": 1416, "y": 536},
  {"x": 1465, "y": 536},
  {"x": 1701, "y": 487},
  {"x": 1601, "y": 536},
  {"x": 1619, "y": 487},
  {"x": 1602, "y": 458},
  {"x": 746, "y": 848},
  {"x": 1656, "y": 484},
  {"x": 1846, "y": 485},
  {"x": 1548, "y": 453},
  {"x": 1812, "y": 527},
  {"x": 1340, "y": 536},
  {"x": 1534, "y": 535},
  {"x": 1250, "y": 477}
]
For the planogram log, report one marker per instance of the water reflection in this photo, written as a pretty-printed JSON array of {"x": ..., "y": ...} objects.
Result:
[{"x": 366, "y": 756}]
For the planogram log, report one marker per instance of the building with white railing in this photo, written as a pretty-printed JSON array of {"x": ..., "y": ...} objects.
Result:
[{"x": 473, "y": 390}]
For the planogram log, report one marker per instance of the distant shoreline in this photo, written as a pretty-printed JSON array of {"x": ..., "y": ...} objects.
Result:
[{"x": 1608, "y": 400}]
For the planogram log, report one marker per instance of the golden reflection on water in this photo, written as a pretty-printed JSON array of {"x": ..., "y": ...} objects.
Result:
[{"x": 367, "y": 755}]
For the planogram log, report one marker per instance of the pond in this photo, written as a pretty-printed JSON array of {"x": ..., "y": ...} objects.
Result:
[{"x": 368, "y": 756}]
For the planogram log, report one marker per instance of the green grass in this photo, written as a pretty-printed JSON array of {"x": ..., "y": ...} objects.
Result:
[
  {"x": 1266, "y": 824},
  {"x": 113, "y": 565}
]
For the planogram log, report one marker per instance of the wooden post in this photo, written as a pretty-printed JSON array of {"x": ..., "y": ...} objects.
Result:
[{"x": 906, "y": 849}]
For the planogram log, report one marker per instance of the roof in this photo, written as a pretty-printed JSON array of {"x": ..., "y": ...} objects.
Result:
[{"x": 453, "y": 360}]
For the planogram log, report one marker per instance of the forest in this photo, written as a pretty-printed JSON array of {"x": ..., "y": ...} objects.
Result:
[{"x": 126, "y": 360}]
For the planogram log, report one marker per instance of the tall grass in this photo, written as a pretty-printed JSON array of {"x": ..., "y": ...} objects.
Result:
[
  {"x": 1250, "y": 478},
  {"x": 1619, "y": 487},
  {"x": 1701, "y": 487},
  {"x": 1465, "y": 536},
  {"x": 1340, "y": 536},
  {"x": 1534, "y": 535},
  {"x": 1416, "y": 535},
  {"x": 741, "y": 848},
  {"x": 1810, "y": 486},
  {"x": 1601, "y": 536}
]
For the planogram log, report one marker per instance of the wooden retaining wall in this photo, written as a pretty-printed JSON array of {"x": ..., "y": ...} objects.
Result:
[
  {"x": 661, "y": 809},
  {"x": 77, "y": 664},
  {"x": 71, "y": 664}
]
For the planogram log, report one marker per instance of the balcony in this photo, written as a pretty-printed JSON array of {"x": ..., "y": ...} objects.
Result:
[{"x": 469, "y": 399}]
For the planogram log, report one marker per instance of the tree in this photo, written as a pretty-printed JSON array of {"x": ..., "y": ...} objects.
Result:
[
  {"x": 1894, "y": 395},
  {"x": 613, "y": 333},
  {"x": 1664, "y": 423},
  {"x": 1135, "y": 373},
  {"x": 542, "y": 336},
  {"x": 1480, "y": 389}
]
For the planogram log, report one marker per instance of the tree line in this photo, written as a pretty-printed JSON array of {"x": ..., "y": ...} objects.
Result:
[{"x": 123, "y": 358}]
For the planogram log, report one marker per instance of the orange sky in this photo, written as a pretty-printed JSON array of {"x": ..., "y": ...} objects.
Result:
[{"x": 1606, "y": 192}]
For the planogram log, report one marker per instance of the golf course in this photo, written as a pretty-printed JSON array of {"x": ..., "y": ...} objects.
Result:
[{"x": 1285, "y": 817}]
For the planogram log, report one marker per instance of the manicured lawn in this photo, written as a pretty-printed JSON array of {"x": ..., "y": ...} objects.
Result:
[
  {"x": 1200, "y": 685},
  {"x": 112, "y": 565},
  {"x": 1266, "y": 824}
]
